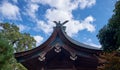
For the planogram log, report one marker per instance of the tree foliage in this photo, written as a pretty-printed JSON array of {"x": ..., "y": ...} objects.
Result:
[
  {"x": 109, "y": 35},
  {"x": 6, "y": 53},
  {"x": 21, "y": 41}
]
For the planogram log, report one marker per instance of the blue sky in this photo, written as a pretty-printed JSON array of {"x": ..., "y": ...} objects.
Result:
[{"x": 86, "y": 17}]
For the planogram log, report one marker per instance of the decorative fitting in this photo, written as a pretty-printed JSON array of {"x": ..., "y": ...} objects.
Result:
[
  {"x": 57, "y": 48},
  {"x": 42, "y": 57},
  {"x": 73, "y": 57}
]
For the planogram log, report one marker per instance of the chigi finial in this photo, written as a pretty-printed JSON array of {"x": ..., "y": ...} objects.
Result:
[
  {"x": 65, "y": 22},
  {"x": 59, "y": 23}
]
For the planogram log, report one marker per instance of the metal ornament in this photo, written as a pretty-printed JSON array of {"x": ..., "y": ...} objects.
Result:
[
  {"x": 42, "y": 57},
  {"x": 73, "y": 57},
  {"x": 57, "y": 48}
]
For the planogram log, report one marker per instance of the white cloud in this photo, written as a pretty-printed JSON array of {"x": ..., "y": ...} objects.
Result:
[
  {"x": 87, "y": 24},
  {"x": 58, "y": 15},
  {"x": 74, "y": 26},
  {"x": 23, "y": 27},
  {"x": 47, "y": 28},
  {"x": 67, "y": 4},
  {"x": 15, "y": 1},
  {"x": 31, "y": 10},
  {"x": 90, "y": 42},
  {"x": 10, "y": 11},
  {"x": 60, "y": 4},
  {"x": 61, "y": 10},
  {"x": 38, "y": 39},
  {"x": 86, "y": 3}
]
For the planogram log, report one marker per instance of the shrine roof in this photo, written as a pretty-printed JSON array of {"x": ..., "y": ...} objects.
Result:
[
  {"x": 60, "y": 30},
  {"x": 74, "y": 41},
  {"x": 81, "y": 44}
]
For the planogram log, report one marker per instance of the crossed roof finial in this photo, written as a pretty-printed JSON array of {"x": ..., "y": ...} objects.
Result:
[{"x": 59, "y": 23}]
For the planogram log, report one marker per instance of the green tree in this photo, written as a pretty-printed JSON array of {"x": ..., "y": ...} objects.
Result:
[
  {"x": 6, "y": 54},
  {"x": 19, "y": 41},
  {"x": 109, "y": 35}
]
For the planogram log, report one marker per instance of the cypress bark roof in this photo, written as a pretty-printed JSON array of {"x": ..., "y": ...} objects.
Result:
[{"x": 59, "y": 41}]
